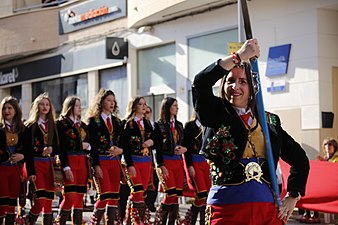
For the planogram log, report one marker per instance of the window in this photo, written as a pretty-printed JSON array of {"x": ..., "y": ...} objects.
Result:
[
  {"x": 16, "y": 92},
  {"x": 115, "y": 79},
  {"x": 201, "y": 53},
  {"x": 59, "y": 89},
  {"x": 157, "y": 70},
  {"x": 155, "y": 101}
]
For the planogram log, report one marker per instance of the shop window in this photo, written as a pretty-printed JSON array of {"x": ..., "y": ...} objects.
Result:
[
  {"x": 115, "y": 79},
  {"x": 16, "y": 92},
  {"x": 59, "y": 89},
  {"x": 157, "y": 70},
  {"x": 155, "y": 101},
  {"x": 201, "y": 53}
]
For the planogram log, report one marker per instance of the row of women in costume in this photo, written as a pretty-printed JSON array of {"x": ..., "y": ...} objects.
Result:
[{"x": 118, "y": 150}]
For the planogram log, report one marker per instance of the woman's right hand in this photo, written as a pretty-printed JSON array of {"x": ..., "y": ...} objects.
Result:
[
  {"x": 191, "y": 171},
  {"x": 32, "y": 178},
  {"x": 132, "y": 171},
  {"x": 98, "y": 172},
  {"x": 69, "y": 175},
  {"x": 164, "y": 172},
  {"x": 249, "y": 49},
  {"x": 321, "y": 158}
]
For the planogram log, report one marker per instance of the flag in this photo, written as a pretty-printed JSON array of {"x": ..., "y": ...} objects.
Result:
[{"x": 321, "y": 192}]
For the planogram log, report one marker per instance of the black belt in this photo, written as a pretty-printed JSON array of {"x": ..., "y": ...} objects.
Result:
[{"x": 241, "y": 174}]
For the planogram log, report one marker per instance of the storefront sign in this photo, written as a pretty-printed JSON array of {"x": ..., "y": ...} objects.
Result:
[
  {"x": 10, "y": 77},
  {"x": 90, "y": 13},
  {"x": 116, "y": 48},
  {"x": 278, "y": 60},
  {"x": 40, "y": 68}
]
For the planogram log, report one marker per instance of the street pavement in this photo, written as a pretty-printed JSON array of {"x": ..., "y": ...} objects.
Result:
[{"x": 184, "y": 208}]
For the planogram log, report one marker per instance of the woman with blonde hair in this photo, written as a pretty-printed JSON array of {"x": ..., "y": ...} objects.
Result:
[
  {"x": 73, "y": 148},
  {"x": 11, "y": 157},
  {"x": 41, "y": 141},
  {"x": 104, "y": 130},
  {"x": 137, "y": 139}
]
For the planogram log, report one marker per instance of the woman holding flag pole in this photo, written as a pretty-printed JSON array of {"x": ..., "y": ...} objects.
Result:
[{"x": 234, "y": 143}]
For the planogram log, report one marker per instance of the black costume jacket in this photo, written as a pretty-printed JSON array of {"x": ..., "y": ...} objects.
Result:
[
  {"x": 35, "y": 143},
  {"x": 131, "y": 140},
  {"x": 100, "y": 139},
  {"x": 192, "y": 141},
  {"x": 168, "y": 144},
  {"x": 215, "y": 113},
  {"x": 71, "y": 139}
]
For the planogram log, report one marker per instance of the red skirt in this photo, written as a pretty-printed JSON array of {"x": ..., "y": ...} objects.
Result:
[{"x": 251, "y": 213}]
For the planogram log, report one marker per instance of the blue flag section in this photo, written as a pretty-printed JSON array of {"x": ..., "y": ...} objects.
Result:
[{"x": 260, "y": 108}]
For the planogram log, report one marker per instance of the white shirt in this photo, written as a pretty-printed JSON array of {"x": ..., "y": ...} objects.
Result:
[
  {"x": 105, "y": 116},
  {"x": 242, "y": 111}
]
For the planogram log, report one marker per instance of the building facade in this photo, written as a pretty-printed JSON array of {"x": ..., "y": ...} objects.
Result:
[{"x": 63, "y": 49}]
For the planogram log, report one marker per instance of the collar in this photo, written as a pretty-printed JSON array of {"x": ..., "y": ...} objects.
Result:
[
  {"x": 105, "y": 116},
  {"x": 8, "y": 123},
  {"x": 137, "y": 118},
  {"x": 198, "y": 123},
  {"x": 242, "y": 111},
  {"x": 41, "y": 121},
  {"x": 73, "y": 119}
]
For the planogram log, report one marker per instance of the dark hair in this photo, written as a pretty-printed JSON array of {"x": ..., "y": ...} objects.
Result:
[
  {"x": 68, "y": 106},
  {"x": 17, "y": 119},
  {"x": 165, "y": 109},
  {"x": 247, "y": 68},
  {"x": 331, "y": 141},
  {"x": 132, "y": 106}
]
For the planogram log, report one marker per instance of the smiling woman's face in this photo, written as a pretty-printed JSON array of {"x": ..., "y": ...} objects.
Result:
[{"x": 237, "y": 88}]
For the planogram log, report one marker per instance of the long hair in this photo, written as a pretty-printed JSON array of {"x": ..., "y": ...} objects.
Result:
[
  {"x": 17, "y": 119},
  {"x": 34, "y": 111},
  {"x": 96, "y": 108},
  {"x": 34, "y": 117},
  {"x": 252, "y": 100},
  {"x": 131, "y": 108},
  {"x": 68, "y": 106},
  {"x": 165, "y": 109}
]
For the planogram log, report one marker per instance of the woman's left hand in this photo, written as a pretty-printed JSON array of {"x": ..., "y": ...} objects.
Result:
[
  {"x": 148, "y": 143},
  {"x": 115, "y": 151},
  {"x": 47, "y": 151},
  {"x": 288, "y": 205},
  {"x": 179, "y": 150},
  {"x": 16, "y": 158}
]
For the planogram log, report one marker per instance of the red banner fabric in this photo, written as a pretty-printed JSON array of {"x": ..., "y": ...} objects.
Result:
[{"x": 322, "y": 187}]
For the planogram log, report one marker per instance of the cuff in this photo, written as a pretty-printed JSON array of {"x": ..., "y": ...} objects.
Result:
[{"x": 66, "y": 168}]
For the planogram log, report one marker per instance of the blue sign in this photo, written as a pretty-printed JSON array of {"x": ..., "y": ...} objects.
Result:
[
  {"x": 278, "y": 60},
  {"x": 277, "y": 86}
]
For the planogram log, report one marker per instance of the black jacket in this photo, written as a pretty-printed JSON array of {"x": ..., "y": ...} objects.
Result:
[
  {"x": 192, "y": 141},
  {"x": 168, "y": 146},
  {"x": 34, "y": 142},
  {"x": 71, "y": 140},
  {"x": 100, "y": 137},
  {"x": 214, "y": 112},
  {"x": 131, "y": 140}
]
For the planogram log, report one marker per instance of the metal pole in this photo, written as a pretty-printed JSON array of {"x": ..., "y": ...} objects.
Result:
[{"x": 241, "y": 32}]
